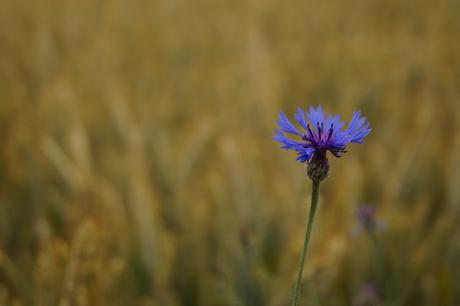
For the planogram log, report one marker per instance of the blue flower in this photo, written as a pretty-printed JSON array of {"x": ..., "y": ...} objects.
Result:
[
  {"x": 321, "y": 133},
  {"x": 368, "y": 294},
  {"x": 366, "y": 217}
]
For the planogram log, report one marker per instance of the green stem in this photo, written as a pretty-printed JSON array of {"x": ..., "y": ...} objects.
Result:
[
  {"x": 379, "y": 262},
  {"x": 311, "y": 218}
]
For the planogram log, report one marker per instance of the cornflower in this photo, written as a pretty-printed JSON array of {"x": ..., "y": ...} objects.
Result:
[{"x": 321, "y": 134}]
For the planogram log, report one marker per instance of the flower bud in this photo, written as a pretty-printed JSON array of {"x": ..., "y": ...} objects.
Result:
[{"x": 318, "y": 167}]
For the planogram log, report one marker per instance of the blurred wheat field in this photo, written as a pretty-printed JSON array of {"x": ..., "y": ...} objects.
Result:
[{"x": 137, "y": 166}]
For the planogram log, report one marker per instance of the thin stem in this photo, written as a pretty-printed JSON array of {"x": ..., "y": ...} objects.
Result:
[
  {"x": 311, "y": 218},
  {"x": 379, "y": 263}
]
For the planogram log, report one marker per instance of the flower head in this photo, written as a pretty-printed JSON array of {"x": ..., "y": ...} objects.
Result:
[
  {"x": 368, "y": 294},
  {"x": 367, "y": 220},
  {"x": 321, "y": 133},
  {"x": 365, "y": 215}
]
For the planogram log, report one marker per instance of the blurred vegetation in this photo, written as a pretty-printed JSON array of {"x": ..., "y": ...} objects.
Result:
[{"x": 137, "y": 166}]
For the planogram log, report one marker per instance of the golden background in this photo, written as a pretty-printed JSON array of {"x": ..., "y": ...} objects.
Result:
[{"x": 137, "y": 165}]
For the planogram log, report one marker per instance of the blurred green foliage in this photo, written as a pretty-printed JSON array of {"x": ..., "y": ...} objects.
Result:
[{"x": 137, "y": 166}]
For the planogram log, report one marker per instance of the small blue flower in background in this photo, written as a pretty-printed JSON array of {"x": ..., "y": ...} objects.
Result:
[
  {"x": 322, "y": 133},
  {"x": 367, "y": 295},
  {"x": 366, "y": 217}
]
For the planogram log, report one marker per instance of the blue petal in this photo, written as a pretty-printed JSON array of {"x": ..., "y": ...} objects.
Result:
[
  {"x": 356, "y": 122},
  {"x": 355, "y": 130},
  {"x": 300, "y": 118},
  {"x": 335, "y": 121},
  {"x": 303, "y": 157},
  {"x": 339, "y": 139},
  {"x": 315, "y": 116},
  {"x": 286, "y": 125},
  {"x": 359, "y": 136},
  {"x": 286, "y": 142},
  {"x": 304, "y": 153}
]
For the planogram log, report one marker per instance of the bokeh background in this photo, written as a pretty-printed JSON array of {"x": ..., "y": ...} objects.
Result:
[{"x": 137, "y": 166}]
